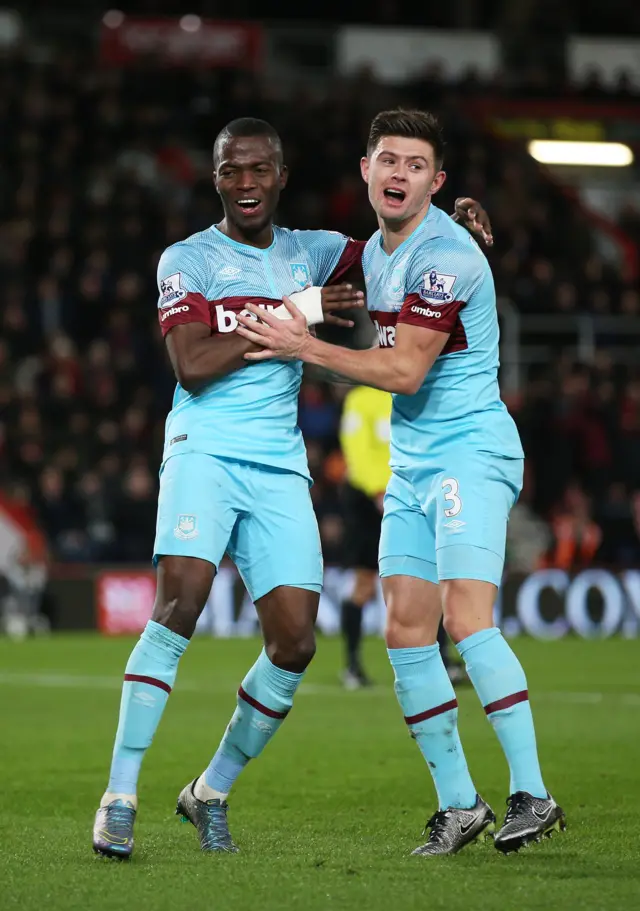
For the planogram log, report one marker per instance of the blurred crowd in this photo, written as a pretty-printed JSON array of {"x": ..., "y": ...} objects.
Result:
[
  {"x": 100, "y": 169},
  {"x": 538, "y": 17}
]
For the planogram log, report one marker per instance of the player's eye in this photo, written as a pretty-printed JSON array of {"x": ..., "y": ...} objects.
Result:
[{"x": 262, "y": 170}]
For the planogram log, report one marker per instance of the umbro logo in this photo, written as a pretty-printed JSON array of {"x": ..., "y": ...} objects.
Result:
[
  {"x": 144, "y": 698},
  {"x": 454, "y": 524},
  {"x": 229, "y": 272}
]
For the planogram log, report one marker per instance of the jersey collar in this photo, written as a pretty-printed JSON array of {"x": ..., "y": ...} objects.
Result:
[
  {"x": 417, "y": 230},
  {"x": 245, "y": 247}
]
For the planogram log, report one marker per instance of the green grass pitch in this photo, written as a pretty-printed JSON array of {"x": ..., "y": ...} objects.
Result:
[{"x": 327, "y": 816}]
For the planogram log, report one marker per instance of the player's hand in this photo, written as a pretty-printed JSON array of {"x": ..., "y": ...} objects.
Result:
[
  {"x": 474, "y": 217},
  {"x": 284, "y": 339},
  {"x": 340, "y": 297}
]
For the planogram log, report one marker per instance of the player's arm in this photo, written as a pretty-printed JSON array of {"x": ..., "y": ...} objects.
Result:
[
  {"x": 198, "y": 357},
  {"x": 421, "y": 331},
  {"x": 401, "y": 369}
]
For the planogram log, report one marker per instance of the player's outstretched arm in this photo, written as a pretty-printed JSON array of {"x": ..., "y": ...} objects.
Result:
[
  {"x": 401, "y": 369},
  {"x": 197, "y": 357}
]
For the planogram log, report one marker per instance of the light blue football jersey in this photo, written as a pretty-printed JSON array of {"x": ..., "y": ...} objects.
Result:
[
  {"x": 250, "y": 414},
  {"x": 439, "y": 278}
]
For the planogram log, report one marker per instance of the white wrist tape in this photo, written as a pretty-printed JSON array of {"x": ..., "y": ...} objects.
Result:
[{"x": 309, "y": 302}]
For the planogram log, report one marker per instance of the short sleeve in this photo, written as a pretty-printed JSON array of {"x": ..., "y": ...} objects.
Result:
[
  {"x": 331, "y": 254},
  {"x": 442, "y": 277},
  {"x": 182, "y": 287}
]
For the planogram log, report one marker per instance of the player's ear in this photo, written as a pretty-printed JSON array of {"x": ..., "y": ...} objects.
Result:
[
  {"x": 364, "y": 168},
  {"x": 438, "y": 181},
  {"x": 215, "y": 181},
  {"x": 284, "y": 176}
]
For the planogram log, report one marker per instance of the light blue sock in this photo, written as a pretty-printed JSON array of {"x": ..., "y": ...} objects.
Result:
[
  {"x": 149, "y": 677},
  {"x": 499, "y": 681},
  {"x": 430, "y": 710},
  {"x": 264, "y": 700}
]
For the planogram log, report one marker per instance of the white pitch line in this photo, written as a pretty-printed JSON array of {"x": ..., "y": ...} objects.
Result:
[
  {"x": 71, "y": 681},
  {"x": 94, "y": 682},
  {"x": 89, "y": 681},
  {"x": 57, "y": 680}
]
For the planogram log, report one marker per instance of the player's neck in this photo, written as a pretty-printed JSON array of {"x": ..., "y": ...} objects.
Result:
[
  {"x": 261, "y": 239},
  {"x": 395, "y": 233}
]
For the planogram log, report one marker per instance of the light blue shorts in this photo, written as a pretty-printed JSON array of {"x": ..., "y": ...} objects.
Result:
[
  {"x": 449, "y": 520},
  {"x": 262, "y": 517}
]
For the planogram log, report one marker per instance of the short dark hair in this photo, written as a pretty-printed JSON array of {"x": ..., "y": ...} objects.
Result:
[
  {"x": 247, "y": 126},
  {"x": 412, "y": 124}
]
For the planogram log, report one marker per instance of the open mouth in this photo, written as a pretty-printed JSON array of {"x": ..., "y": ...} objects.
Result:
[
  {"x": 394, "y": 195},
  {"x": 249, "y": 205}
]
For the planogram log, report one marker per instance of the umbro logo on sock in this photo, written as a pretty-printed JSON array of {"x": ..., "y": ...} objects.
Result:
[{"x": 147, "y": 699}]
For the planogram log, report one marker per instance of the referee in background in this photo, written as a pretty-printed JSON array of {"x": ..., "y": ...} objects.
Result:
[{"x": 364, "y": 439}]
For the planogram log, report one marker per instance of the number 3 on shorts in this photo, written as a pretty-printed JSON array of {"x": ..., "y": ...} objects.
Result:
[{"x": 451, "y": 488}]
